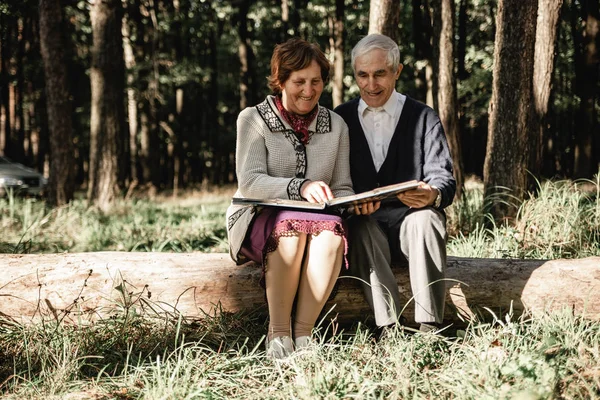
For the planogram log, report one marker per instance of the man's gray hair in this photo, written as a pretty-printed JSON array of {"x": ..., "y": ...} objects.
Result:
[{"x": 376, "y": 41}]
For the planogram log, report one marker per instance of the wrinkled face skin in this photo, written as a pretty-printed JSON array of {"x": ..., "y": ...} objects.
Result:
[
  {"x": 374, "y": 78},
  {"x": 300, "y": 93}
]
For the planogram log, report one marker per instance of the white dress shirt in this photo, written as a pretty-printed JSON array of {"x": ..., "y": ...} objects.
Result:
[{"x": 379, "y": 125}]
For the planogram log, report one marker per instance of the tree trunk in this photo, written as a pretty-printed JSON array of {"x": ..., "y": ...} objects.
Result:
[
  {"x": 149, "y": 151},
  {"x": 384, "y": 17},
  {"x": 58, "y": 104},
  {"x": 508, "y": 147},
  {"x": 443, "y": 28},
  {"x": 422, "y": 33},
  {"x": 107, "y": 119},
  {"x": 84, "y": 286},
  {"x": 543, "y": 68},
  {"x": 336, "y": 44},
  {"x": 4, "y": 82},
  {"x": 246, "y": 56},
  {"x": 285, "y": 21},
  {"x": 18, "y": 132},
  {"x": 132, "y": 107},
  {"x": 587, "y": 62},
  {"x": 461, "y": 50},
  {"x": 216, "y": 140}
]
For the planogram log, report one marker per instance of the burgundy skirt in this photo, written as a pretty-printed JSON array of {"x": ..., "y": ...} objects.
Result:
[{"x": 273, "y": 223}]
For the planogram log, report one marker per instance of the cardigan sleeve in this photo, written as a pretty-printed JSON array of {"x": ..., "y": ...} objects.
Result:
[
  {"x": 437, "y": 165},
  {"x": 341, "y": 182},
  {"x": 251, "y": 163}
]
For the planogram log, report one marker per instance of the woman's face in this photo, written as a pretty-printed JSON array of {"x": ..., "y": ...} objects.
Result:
[{"x": 300, "y": 93}]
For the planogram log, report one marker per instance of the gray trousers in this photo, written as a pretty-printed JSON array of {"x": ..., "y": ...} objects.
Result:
[{"x": 421, "y": 237}]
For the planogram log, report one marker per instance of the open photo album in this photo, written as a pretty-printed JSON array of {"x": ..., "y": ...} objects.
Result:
[{"x": 382, "y": 194}]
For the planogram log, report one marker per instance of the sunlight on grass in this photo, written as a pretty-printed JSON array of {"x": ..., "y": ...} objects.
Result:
[
  {"x": 134, "y": 225},
  {"x": 562, "y": 220}
]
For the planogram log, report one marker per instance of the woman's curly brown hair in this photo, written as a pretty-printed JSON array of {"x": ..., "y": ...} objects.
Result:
[{"x": 294, "y": 55}]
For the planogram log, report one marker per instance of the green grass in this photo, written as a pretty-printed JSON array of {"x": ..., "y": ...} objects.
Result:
[
  {"x": 133, "y": 356},
  {"x": 551, "y": 356},
  {"x": 561, "y": 221},
  {"x": 174, "y": 225}
]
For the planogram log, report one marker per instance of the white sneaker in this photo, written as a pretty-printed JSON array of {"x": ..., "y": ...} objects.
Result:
[
  {"x": 303, "y": 342},
  {"x": 279, "y": 347}
]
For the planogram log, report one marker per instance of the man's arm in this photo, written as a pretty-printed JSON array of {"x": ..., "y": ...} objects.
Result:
[{"x": 437, "y": 166}]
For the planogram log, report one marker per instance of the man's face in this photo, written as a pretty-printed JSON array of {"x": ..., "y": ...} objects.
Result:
[{"x": 374, "y": 78}]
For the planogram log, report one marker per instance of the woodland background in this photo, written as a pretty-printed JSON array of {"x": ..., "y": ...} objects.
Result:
[
  {"x": 112, "y": 96},
  {"x": 118, "y": 100}
]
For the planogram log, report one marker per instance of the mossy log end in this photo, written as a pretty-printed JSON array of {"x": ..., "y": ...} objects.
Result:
[{"x": 81, "y": 287}]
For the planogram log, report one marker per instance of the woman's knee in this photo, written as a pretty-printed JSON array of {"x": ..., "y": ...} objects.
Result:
[
  {"x": 327, "y": 239},
  {"x": 291, "y": 245}
]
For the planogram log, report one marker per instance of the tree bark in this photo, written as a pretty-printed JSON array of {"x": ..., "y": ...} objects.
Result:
[
  {"x": 543, "y": 68},
  {"x": 58, "y": 104},
  {"x": 87, "y": 286},
  {"x": 384, "y": 17},
  {"x": 443, "y": 28},
  {"x": 508, "y": 146},
  {"x": 108, "y": 113}
]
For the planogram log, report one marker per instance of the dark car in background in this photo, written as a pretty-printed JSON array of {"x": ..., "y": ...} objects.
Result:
[{"x": 19, "y": 179}]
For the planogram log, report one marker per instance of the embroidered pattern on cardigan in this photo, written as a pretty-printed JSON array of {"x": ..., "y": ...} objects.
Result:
[
  {"x": 293, "y": 188},
  {"x": 323, "y": 121},
  {"x": 270, "y": 117},
  {"x": 234, "y": 217},
  {"x": 300, "y": 150},
  {"x": 274, "y": 123}
]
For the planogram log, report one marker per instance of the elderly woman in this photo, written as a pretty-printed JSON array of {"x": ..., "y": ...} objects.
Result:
[{"x": 289, "y": 147}]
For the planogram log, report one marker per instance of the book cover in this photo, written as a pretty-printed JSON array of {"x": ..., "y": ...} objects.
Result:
[{"x": 382, "y": 194}]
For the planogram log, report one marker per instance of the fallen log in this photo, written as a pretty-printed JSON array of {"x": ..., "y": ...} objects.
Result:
[{"x": 82, "y": 287}]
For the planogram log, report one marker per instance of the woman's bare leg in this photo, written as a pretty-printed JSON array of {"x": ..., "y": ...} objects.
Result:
[
  {"x": 324, "y": 253},
  {"x": 282, "y": 274}
]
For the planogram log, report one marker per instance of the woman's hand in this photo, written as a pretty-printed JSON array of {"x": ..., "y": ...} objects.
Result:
[{"x": 316, "y": 191}]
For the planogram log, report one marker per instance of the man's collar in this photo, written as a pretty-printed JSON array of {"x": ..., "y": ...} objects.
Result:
[{"x": 390, "y": 105}]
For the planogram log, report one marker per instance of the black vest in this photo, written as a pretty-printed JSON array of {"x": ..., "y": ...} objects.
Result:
[{"x": 404, "y": 160}]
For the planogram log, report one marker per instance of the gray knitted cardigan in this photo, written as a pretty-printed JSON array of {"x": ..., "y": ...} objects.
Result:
[{"x": 271, "y": 163}]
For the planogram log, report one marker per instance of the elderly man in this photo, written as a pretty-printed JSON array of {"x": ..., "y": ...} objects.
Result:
[{"x": 394, "y": 138}]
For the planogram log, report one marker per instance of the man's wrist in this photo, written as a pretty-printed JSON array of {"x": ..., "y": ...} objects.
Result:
[{"x": 438, "y": 199}]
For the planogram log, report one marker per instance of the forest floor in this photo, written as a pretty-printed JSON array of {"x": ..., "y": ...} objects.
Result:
[{"x": 133, "y": 356}]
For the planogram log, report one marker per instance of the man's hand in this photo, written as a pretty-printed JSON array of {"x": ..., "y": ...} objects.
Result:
[
  {"x": 316, "y": 191},
  {"x": 365, "y": 208},
  {"x": 420, "y": 197}
]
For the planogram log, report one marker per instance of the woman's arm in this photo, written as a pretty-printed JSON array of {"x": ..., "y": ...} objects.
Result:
[
  {"x": 251, "y": 163},
  {"x": 341, "y": 182}
]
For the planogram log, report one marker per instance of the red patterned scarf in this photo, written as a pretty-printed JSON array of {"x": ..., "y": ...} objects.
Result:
[{"x": 299, "y": 123}]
